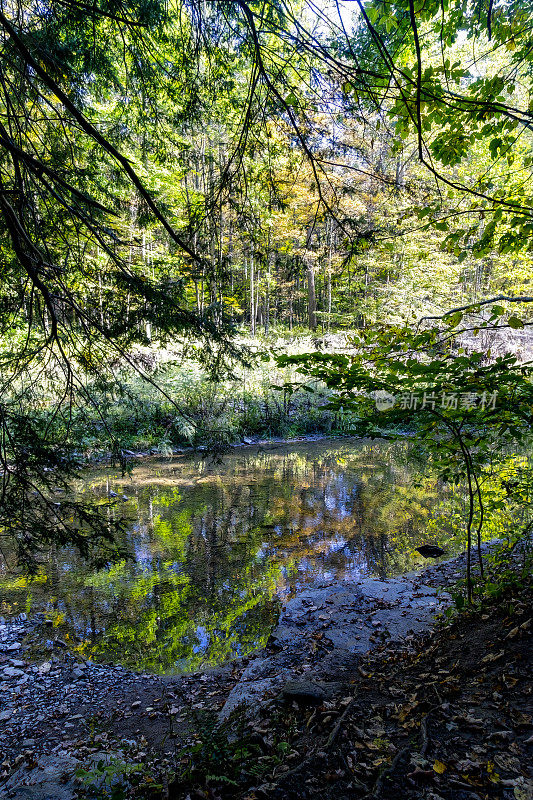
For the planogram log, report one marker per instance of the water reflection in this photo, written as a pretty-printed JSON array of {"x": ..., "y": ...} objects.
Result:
[{"x": 214, "y": 545}]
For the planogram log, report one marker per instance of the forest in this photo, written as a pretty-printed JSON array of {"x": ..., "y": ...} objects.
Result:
[{"x": 265, "y": 313}]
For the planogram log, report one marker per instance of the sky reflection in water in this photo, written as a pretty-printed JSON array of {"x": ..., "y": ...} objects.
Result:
[{"x": 215, "y": 544}]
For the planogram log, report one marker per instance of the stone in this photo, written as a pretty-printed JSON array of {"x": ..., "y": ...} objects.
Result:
[
  {"x": 303, "y": 692},
  {"x": 51, "y": 779},
  {"x": 430, "y": 551},
  {"x": 12, "y": 672}
]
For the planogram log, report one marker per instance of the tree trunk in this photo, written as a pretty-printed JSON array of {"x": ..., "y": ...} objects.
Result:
[
  {"x": 252, "y": 297},
  {"x": 311, "y": 298},
  {"x": 329, "y": 273}
]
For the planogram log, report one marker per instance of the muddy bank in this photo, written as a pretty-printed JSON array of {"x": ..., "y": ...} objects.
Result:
[
  {"x": 323, "y": 628},
  {"x": 64, "y": 714},
  {"x": 245, "y": 443}
]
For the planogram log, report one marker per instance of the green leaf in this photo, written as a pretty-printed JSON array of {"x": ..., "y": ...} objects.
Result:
[
  {"x": 454, "y": 319},
  {"x": 292, "y": 100}
]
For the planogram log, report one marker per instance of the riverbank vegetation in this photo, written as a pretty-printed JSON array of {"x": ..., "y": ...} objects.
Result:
[{"x": 173, "y": 175}]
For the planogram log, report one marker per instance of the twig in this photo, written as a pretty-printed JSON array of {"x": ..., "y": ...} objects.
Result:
[
  {"x": 439, "y": 698},
  {"x": 387, "y": 773},
  {"x": 425, "y": 736},
  {"x": 338, "y": 725},
  {"x": 507, "y": 298},
  {"x": 298, "y": 768}
]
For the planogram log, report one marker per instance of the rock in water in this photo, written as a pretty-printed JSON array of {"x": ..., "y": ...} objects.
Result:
[
  {"x": 304, "y": 692},
  {"x": 430, "y": 551}
]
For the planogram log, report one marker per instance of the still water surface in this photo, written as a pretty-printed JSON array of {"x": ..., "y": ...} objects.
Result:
[{"x": 216, "y": 544}]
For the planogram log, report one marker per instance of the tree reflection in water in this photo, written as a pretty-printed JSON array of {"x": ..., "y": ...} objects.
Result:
[{"x": 214, "y": 545}]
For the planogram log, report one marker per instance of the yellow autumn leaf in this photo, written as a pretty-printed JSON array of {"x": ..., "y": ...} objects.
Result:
[
  {"x": 493, "y": 776},
  {"x": 439, "y": 767}
]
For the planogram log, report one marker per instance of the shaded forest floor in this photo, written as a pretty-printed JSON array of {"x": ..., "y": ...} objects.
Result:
[{"x": 447, "y": 716}]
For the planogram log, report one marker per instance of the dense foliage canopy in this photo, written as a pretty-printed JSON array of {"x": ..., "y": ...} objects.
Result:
[{"x": 173, "y": 171}]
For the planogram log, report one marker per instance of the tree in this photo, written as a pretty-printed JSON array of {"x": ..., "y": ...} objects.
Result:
[
  {"x": 81, "y": 88},
  {"x": 467, "y": 412},
  {"x": 169, "y": 169}
]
